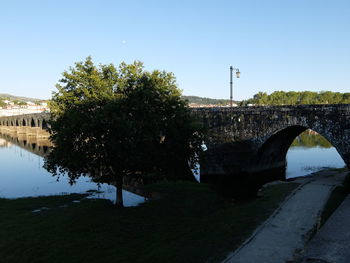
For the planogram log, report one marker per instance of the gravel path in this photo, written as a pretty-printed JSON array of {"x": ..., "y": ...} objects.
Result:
[{"x": 285, "y": 233}]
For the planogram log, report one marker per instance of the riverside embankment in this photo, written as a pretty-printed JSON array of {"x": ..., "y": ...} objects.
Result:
[
  {"x": 331, "y": 243},
  {"x": 282, "y": 238}
]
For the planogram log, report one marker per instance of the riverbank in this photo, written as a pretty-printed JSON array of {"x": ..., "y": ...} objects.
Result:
[
  {"x": 189, "y": 223},
  {"x": 284, "y": 235}
]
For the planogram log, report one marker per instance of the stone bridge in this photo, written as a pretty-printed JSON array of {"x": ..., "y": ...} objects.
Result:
[
  {"x": 28, "y": 124},
  {"x": 255, "y": 139},
  {"x": 241, "y": 139}
]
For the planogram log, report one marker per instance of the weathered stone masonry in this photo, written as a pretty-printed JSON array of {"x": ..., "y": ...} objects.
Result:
[{"x": 253, "y": 139}]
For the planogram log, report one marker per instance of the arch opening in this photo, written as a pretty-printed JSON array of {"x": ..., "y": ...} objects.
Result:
[
  {"x": 311, "y": 152},
  {"x": 32, "y": 123},
  {"x": 307, "y": 144},
  {"x": 44, "y": 125},
  {"x": 273, "y": 152}
]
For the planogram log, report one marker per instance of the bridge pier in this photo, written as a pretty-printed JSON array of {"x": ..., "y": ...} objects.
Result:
[
  {"x": 31, "y": 131},
  {"x": 20, "y": 130},
  {"x": 234, "y": 170},
  {"x": 10, "y": 130},
  {"x": 41, "y": 133},
  {"x": 227, "y": 158}
]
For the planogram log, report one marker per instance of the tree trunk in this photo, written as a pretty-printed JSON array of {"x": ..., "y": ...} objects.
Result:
[
  {"x": 119, "y": 198},
  {"x": 119, "y": 185}
]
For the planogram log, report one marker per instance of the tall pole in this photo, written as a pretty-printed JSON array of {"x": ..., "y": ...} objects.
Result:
[{"x": 231, "y": 86}]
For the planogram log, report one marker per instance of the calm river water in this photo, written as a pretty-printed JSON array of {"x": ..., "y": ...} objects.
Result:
[
  {"x": 22, "y": 174},
  {"x": 311, "y": 153}
]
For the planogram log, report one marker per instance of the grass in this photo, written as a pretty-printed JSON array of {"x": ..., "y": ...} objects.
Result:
[
  {"x": 336, "y": 198},
  {"x": 190, "y": 223}
]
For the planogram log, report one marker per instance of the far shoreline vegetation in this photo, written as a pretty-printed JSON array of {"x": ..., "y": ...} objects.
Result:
[
  {"x": 297, "y": 98},
  {"x": 279, "y": 98},
  {"x": 309, "y": 139}
]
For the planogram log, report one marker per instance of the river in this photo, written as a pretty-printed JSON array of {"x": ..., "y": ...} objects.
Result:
[
  {"x": 310, "y": 152},
  {"x": 22, "y": 174}
]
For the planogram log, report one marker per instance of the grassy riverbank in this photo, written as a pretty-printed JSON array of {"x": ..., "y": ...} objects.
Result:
[
  {"x": 337, "y": 196},
  {"x": 189, "y": 223}
]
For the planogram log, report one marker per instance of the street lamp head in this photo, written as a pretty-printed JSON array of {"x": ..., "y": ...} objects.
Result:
[{"x": 238, "y": 74}]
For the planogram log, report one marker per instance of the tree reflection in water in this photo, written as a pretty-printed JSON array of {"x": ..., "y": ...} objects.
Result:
[
  {"x": 22, "y": 174},
  {"x": 311, "y": 152}
]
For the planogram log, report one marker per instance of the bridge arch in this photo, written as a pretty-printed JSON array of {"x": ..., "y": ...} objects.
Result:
[
  {"x": 244, "y": 140},
  {"x": 274, "y": 150},
  {"x": 44, "y": 125},
  {"x": 32, "y": 123}
]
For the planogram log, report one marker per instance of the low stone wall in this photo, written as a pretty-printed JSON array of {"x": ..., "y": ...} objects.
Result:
[{"x": 16, "y": 131}]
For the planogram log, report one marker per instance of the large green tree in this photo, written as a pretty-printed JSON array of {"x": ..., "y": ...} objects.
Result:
[{"x": 110, "y": 123}]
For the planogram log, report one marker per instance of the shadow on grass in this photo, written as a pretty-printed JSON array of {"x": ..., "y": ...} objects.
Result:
[
  {"x": 188, "y": 223},
  {"x": 336, "y": 198}
]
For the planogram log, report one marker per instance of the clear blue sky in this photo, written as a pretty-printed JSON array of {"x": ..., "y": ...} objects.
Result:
[{"x": 277, "y": 44}]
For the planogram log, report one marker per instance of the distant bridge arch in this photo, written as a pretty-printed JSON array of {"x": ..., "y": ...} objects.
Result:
[{"x": 30, "y": 124}]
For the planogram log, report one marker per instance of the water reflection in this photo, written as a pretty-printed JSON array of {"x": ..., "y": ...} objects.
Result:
[
  {"x": 311, "y": 139},
  {"x": 22, "y": 174},
  {"x": 38, "y": 146},
  {"x": 311, "y": 152}
]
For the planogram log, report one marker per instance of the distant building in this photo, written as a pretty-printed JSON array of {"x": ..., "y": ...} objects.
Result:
[
  {"x": 8, "y": 102},
  {"x": 11, "y": 109}
]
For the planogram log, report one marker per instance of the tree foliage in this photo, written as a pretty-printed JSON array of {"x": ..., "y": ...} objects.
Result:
[
  {"x": 2, "y": 103},
  {"x": 110, "y": 123},
  {"x": 295, "y": 98}
]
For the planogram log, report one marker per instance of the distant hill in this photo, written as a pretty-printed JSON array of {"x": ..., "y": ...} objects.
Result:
[
  {"x": 190, "y": 99},
  {"x": 18, "y": 98},
  {"x": 205, "y": 101}
]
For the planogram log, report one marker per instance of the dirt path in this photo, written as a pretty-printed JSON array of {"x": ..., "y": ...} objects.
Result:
[{"x": 285, "y": 233}]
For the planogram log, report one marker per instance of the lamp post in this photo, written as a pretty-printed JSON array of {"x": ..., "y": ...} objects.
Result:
[{"x": 238, "y": 74}]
